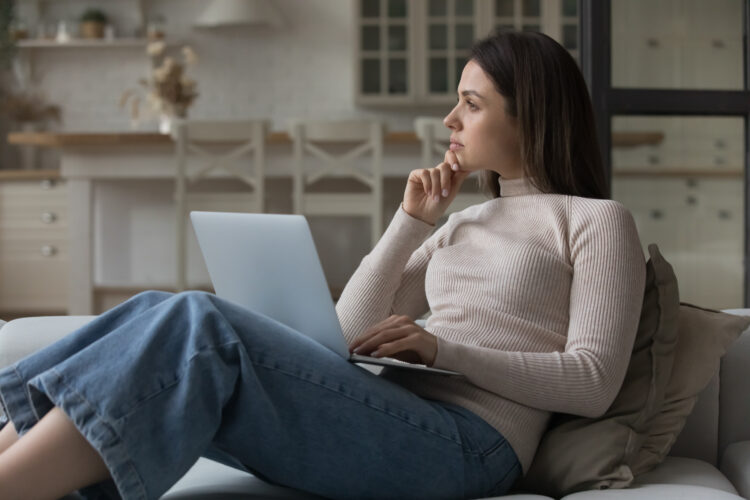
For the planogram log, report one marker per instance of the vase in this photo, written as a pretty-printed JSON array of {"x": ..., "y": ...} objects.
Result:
[
  {"x": 28, "y": 157},
  {"x": 165, "y": 124}
]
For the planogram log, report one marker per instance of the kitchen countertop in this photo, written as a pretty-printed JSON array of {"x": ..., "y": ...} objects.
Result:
[
  {"x": 26, "y": 175},
  {"x": 66, "y": 139}
]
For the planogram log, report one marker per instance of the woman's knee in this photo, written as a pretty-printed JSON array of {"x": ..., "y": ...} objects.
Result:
[
  {"x": 194, "y": 297},
  {"x": 153, "y": 296}
]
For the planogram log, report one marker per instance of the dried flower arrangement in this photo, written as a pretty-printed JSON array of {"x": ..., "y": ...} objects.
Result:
[
  {"x": 28, "y": 106},
  {"x": 168, "y": 91}
]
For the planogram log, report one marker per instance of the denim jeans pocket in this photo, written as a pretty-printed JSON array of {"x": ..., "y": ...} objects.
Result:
[{"x": 511, "y": 474}]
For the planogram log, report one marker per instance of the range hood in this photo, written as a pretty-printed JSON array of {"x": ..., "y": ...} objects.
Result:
[{"x": 239, "y": 13}]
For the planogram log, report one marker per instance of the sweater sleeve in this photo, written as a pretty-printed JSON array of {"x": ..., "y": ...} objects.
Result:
[
  {"x": 606, "y": 295},
  {"x": 390, "y": 279}
]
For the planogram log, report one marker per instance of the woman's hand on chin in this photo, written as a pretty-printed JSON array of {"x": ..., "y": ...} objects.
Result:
[
  {"x": 429, "y": 191},
  {"x": 397, "y": 337}
]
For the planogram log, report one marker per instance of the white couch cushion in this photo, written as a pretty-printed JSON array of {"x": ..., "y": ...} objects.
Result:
[
  {"x": 687, "y": 471},
  {"x": 656, "y": 492},
  {"x": 209, "y": 480},
  {"x": 21, "y": 337}
]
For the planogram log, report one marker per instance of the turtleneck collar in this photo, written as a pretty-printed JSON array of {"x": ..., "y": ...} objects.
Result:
[{"x": 516, "y": 187}]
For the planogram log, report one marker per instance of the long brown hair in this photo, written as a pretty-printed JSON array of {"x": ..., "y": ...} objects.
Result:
[{"x": 546, "y": 93}]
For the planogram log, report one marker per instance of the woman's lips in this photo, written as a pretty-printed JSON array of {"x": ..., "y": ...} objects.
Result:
[{"x": 455, "y": 146}]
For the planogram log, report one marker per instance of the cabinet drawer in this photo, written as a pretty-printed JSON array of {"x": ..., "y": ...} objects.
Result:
[
  {"x": 37, "y": 219},
  {"x": 39, "y": 191},
  {"x": 31, "y": 205},
  {"x": 34, "y": 250}
]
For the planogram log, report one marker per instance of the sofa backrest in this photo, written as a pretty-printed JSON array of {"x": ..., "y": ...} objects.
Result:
[
  {"x": 734, "y": 398},
  {"x": 700, "y": 436}
]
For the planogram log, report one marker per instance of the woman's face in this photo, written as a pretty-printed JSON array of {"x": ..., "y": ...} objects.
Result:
[{"x": 483, "y": 136}]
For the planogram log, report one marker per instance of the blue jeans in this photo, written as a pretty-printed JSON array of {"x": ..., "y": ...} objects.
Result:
[{"x": 163, "y": 379}]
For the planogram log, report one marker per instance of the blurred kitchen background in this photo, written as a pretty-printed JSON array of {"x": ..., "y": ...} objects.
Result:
[{"x": 87, "y": 173}]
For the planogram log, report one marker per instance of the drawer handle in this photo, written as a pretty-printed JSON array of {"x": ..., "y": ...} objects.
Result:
[
  {"x": 49, "y": 250},
  {"x": 47, "y": 183},
  {"x": 656, "y": 214},
  {"x": 49, "y": 217},
  {"x": 720, "y": 144},
  {"x": 691, "y": 200}
]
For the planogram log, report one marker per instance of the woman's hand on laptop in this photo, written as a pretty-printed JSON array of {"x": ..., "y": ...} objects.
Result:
[
  {"x": 429, "y": 191},
  {"x": 397, "y": 337}
]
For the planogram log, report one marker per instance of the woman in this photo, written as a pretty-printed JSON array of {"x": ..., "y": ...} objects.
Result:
[{"x": 535, "y": 297}]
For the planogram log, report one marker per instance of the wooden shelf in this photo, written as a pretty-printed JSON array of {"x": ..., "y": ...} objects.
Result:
[
  {"x": 83, "y": 42},
  {"x": 681, "y": 173},
  {"x": 632, "y": 139},
  {"x": 23, "y": 175}
]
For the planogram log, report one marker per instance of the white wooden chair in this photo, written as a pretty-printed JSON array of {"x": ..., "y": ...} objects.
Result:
[
  {"x": 435, "y": 137},
  {"x": 364, "y": 137},
  {"x": 216, "y": 149}
]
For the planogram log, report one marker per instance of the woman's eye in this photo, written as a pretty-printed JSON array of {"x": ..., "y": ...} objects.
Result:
[{"x": 470, "y": 104}]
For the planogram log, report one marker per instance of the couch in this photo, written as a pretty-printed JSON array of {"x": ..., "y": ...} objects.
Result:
[{"x": 710, "y": 460}]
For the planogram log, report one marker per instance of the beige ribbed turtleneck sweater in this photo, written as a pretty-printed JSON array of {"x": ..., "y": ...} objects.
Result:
[{"x": 535, "y": 298}]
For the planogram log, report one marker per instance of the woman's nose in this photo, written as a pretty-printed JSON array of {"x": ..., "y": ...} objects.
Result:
[{"x": 450, "y": 120}]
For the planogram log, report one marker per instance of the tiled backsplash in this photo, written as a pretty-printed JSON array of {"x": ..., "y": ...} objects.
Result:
[{"x": 304, "y": 68}]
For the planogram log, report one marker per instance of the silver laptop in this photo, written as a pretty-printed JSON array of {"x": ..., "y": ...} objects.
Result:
[{"x": 268, "y": 263}]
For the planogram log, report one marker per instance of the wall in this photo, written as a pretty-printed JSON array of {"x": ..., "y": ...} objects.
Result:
[{"x": 303, "y": 69}]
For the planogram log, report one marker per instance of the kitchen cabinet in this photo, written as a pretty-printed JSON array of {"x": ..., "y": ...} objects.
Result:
[
  {"x": 686, "y": 44},
  {"x": 698, "y": 224},
  {"x": 413, "y": 52},
  {"x": 34, "y": 260}
]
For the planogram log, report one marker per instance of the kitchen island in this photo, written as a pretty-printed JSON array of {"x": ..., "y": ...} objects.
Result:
[{"x": 121, "y": 234}]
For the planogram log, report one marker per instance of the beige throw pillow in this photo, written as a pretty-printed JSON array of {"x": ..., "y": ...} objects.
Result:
[
  {"x": 703, "y": 338},
  {"x": 579, "y": 453}
]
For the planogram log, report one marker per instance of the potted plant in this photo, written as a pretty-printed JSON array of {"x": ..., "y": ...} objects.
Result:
[
  {"x": 7, "y": 41},
  {"x": 29, "y": 111},
  {"x": 92, "y": 23}
]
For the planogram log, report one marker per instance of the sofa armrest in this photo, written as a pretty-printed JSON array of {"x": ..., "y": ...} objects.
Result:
[
  {"x": 734, "y": 405},
  {"x": 735, "y": 465},
  {"x": 23, "y": 336}
]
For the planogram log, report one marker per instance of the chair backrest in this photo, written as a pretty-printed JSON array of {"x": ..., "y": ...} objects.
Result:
[
  {"x": 308, "y": 134},
  {"x": 322, "y": 141},
  {"x": 434, "y": 136},
  {"x": 238, "y": 138},
  {"x": 213, "y": 146}
]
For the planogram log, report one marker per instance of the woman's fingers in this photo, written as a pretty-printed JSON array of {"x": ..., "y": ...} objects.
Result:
[
  {"x": 426, "y": 181},
  {"x": 435, "y": 177},
  {"x": 385, "y": 336},
  {"x": 451, "y": 159},
  {"x": 445, "y": 180},
  {"x": 375, "y": 329}
]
